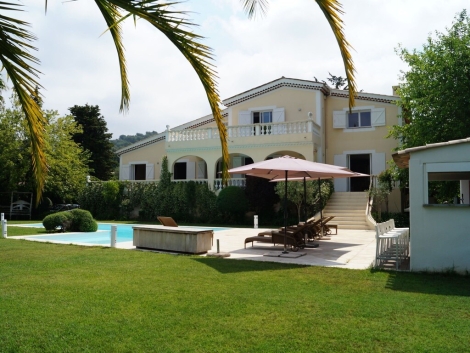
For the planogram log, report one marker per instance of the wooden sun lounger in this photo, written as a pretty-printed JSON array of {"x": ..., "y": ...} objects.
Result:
[{"x": 167, "y": 221}]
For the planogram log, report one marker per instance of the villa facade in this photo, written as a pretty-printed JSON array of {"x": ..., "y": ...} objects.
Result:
[{"x": 305, "y": 119}]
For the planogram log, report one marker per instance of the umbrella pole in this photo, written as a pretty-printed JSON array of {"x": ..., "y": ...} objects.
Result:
[
  {"x": 305, "y": 200},
  {"x": 285, "y": 216},
  {"x": 321, "y": 210}
]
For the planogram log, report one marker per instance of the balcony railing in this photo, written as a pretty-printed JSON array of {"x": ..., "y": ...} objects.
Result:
[
  {"x": 286, "y": 128},
  {"x": 240, "y": 182}
]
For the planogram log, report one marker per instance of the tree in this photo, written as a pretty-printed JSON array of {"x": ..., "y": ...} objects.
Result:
[
  {"x": 95, "y": 139},
  {"x": 295, "y": 193},
  {"x": 337, "y": 81},
  {"x": 67, "y": 162},
  {"x": 434, "y": 94},
  {"x": 16, "y": 42},
  {"x": 14, "y": 151}
]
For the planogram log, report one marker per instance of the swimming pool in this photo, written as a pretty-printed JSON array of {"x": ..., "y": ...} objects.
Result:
[{"x": 100, "y": 237}]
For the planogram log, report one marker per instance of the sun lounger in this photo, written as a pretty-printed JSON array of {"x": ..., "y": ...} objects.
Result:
[
  {"x": 167, "y": 221},
  {"x": 328, "y": 227},
  {"x": 294, "y": 237}
]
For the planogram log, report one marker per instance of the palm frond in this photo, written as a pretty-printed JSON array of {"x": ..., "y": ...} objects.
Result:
[
  {"x": 176, "y": 27},
  {"x": 15, "y": 44},
  {"x": 113, "y": 18},
  {"x": 332, "y": 10},
  {"x": 253, "y": 7}
]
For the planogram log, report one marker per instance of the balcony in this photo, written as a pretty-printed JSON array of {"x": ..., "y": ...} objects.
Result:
[{"x": 280, "y": 132}]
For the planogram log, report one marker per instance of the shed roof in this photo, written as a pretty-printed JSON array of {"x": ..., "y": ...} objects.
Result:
[{"x": 402, "y": 157}]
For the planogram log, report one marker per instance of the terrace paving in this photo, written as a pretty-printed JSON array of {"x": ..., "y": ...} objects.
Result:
[{"x": 350, "y": 248}]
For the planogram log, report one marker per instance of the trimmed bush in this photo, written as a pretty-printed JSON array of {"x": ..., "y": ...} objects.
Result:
[
  {"x": 76, "y": 220},
  {"x": 82, "y": 221},
  {"x": 61, "y": 221}
]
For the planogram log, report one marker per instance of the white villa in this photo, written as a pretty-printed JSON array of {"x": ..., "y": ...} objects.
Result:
[{"x": 301, "y": 118}]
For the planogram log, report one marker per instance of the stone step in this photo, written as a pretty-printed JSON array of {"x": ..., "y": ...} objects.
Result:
[
  {"x": 349, "y": 210},
  {"x": 345, "y": 207},
  {"x": 343, "y": 217}
]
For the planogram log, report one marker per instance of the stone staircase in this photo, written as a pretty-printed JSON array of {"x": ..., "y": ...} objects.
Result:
[{"x": 349, "y": 209}]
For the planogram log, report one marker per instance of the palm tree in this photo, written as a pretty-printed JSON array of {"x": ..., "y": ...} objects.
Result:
[{"x": 16, "y": 44}]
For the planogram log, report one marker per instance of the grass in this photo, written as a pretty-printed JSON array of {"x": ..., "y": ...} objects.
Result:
[
  {"x": 66, "y": 298},
  {"x": 17, "y": 231}
]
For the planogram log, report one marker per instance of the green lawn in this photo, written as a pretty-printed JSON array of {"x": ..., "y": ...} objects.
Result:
[{"x": 65, "y": 298}]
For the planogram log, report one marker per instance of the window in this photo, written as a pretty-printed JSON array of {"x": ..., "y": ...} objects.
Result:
[
  {"x": 359, "y": 119},
  {"x": 179, "y": 171},
  {"x": 447, "y": 183},
  {"x": 139, "y": 171},
  {"x": 262, "y": 117}
]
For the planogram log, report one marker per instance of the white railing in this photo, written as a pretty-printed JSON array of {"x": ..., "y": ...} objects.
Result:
[
  {"x": 240, "y": 182},
  {"x": 286, "y": 128},
  {"x": 197, "y": 181}
]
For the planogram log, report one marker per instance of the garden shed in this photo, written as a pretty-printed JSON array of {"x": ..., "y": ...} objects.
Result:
[{"x": 439, "y": 230}]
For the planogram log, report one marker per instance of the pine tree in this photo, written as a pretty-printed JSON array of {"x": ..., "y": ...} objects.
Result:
[{"x": 95, "y": 139}]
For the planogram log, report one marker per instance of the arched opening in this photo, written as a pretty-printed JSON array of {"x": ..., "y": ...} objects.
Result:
[
  {"x": 189, "y": 168},
  {"x": 285, "y": 153},
  {"x": 236, "y": 160}
]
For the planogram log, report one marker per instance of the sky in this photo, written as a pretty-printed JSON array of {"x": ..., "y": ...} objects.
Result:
[{"x": 293, "y": 39}]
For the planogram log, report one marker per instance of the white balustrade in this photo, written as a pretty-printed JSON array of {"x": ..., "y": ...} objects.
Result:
[
  {"x": 240, "y": 182},
  {"x": 197, "y": 181},
  {"x": 296, "y": 127}
]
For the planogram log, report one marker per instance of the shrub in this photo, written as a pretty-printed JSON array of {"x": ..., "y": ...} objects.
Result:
[
  {"x": 82, "y": 221},
  {"x": 76, "y": 220},
  {"x": 402, "y": 219},
  {"x": 58, "y": 221},
  {"x": 232, "y": 203}
]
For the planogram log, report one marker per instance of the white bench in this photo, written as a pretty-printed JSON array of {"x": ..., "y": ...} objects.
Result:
[{"x": 392, "y": 243}]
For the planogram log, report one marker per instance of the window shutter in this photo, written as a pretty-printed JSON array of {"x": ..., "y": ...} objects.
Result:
[
  {"x": 201, "y": 170},
  {"x": 341, "y": 184},
  {"x": 236, "y": 162},
  {"x": 124, "y": 172},
  {"x": 190, "y": 170},
  {"x": 378, "y": 116},
  {"x": 378, "y": 163},
  {"x": 244, "y": 117},
  {"x": 278, "y": 115},
  {"x": 149, "y": 172},
  {"x": 339, "y": 119}
]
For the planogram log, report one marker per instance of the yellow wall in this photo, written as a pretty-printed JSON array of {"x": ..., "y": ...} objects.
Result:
[
  {"x": 337, "y": 140},
  {"x": 151, "y": 154},
  {"x": 297, "y": 103}
]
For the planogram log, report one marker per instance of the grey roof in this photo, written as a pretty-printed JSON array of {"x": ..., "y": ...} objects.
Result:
[{"x": 402, "y": 158}]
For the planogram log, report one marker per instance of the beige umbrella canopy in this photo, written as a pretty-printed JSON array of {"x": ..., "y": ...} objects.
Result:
[
  {"x": 286, "y": 168},
  {"x": 277, "y": 168}
]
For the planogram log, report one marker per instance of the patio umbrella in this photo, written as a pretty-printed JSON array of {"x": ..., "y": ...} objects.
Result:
[{"x": 290, "y": 167}]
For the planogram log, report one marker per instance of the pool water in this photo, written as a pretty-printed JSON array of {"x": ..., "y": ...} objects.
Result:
[{"x": 100, "y": 237}]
